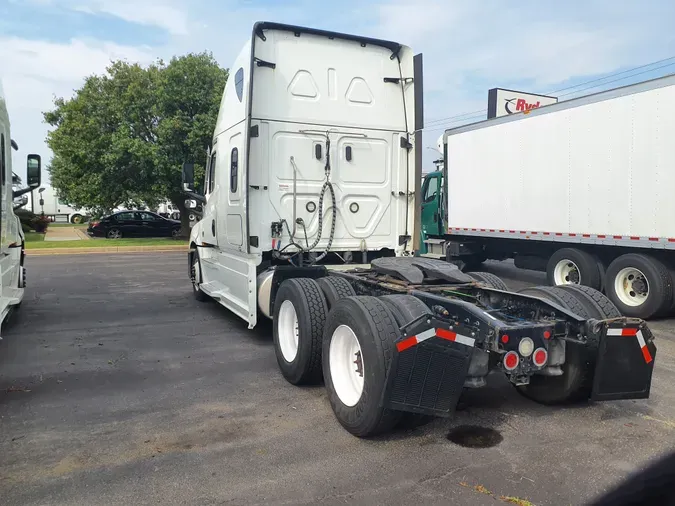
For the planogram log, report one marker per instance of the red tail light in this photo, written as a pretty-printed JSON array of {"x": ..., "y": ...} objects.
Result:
[
  {"x": 95, "y": 224},
  {"x": 511, "y": 361},
  {"x": 540, "y": 357}
]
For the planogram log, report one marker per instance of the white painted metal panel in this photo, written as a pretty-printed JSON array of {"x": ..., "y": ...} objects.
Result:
[{"x": 603, "y": 167}]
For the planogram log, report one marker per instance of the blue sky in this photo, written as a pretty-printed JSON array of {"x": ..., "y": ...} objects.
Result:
[{"x": 469, "y": 46}]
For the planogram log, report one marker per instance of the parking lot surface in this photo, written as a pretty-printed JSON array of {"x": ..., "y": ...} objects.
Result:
[{"x": 117, "y": 387}]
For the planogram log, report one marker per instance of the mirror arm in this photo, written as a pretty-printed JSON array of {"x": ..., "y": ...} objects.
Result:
[
  {"x": 196, "y": 196},
  {"x": 23, "y": 191}
]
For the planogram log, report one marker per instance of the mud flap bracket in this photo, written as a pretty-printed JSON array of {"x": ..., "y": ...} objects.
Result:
[{"x": 625, "y": 362}]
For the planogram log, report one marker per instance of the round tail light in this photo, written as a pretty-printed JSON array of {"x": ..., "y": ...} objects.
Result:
[
  {"x": 511, "y": 361},
  {"x": 540, "y": 357}
]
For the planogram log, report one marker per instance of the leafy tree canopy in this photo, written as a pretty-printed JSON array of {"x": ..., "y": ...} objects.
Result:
[{"x": 123, "y": 136}]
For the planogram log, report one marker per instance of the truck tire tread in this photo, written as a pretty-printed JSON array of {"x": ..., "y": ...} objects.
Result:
[
  {"x": 307, "y": 366},
  {"x": 367, "y": 417},
  {"x": 558, "y": 296},
  {"x": 600, "y": 302},
  {"x": 335, "y": 288},
  {"x": 490, "y": 280}
]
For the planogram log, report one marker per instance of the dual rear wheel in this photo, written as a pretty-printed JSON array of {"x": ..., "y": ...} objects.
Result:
[
  {"x": 639, "y": 285},
  {"x": 322, "y": 330}
]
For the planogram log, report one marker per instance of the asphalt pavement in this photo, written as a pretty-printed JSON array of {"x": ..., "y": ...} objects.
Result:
[{"x": 117, "y": 387}]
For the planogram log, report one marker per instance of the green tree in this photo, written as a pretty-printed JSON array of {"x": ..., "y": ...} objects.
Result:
[{"x": 122, "y": 137}]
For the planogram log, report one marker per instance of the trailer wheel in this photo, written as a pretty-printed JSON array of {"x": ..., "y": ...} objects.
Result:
[
  {"x": 639, "y": 285},
  {"x": 573, "y": 266},
  {"x": 596, "y": 303},
  {"x": 358, "y": 347},
  {"x": 490, "y": 280},
  {"x": 576, "y": 382},
  {"x": 335, "y": 288},
  {"x": 299, "y": 318}
]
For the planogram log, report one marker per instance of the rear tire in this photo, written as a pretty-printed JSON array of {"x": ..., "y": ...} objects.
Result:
[
  {"x": 299, "y": 318},
  {"x": 576, "y": 382},
  {"x": 335, "y": 288},
  {"x": 573, "y": 266},
  {"x": 405, "y": 309},
  {"x": 595, "y": 302},
  {"x": 490, "y": 280},
  {"x": 355, "y": 396},
  {"x": 639, "y": 285}
]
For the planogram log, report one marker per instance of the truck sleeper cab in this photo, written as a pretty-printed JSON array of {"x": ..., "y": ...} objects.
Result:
[
  {"x": 12, "y": 241},
  {"x": 313, "y": 166}
]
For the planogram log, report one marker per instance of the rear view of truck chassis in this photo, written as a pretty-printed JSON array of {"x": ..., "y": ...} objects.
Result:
[{"x": 410, "y": 334}]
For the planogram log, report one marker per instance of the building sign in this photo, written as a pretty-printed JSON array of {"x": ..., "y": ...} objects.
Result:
[{"x": 503, "y": 102}]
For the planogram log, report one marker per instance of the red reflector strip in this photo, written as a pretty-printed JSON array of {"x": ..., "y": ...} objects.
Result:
[
  {"x": 441, "y": 333},
  {"x": 630, "y": 332},
  {"x": 406, "y": 343},
  {"x": 643, "y": 347}
]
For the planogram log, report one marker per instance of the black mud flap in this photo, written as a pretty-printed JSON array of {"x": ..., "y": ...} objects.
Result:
[
  {"x": 429, "y": 367},
  {"x": 625, "y": 362}
]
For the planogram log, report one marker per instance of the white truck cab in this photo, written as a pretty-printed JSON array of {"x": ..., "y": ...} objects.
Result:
[
  {"x": 312, "y": 161},
  {"x": 12, "y": 254}
]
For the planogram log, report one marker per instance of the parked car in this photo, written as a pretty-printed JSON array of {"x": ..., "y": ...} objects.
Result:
[{"x": 134, "y": 224}]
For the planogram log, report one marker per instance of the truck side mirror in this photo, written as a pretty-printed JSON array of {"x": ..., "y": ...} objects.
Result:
[
  {"x": 188, "y": 176},
  {"x": 33, "y": 171},
  {"x": 190, "y": 204}
]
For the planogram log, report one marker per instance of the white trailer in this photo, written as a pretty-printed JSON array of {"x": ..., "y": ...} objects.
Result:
[
  {"x": 12, "y": 239},
  {"x": 582, "y": 189},
  {"x": 45, "y": 200},
  {"x": 313, "y": 166}
]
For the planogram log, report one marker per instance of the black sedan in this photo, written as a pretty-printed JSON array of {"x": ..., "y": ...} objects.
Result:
[{"x": 134, "y": 224}]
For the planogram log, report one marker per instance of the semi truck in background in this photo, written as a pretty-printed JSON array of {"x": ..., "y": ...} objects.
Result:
[
  {"x": 45, "y": 200},
  {"x": 581, "y": 189},
  {"x": 308, "y": 217},
  {"x": 12, "y": 239}
]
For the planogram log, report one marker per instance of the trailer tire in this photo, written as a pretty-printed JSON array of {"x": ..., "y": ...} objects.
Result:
[
  {"x": 490, "y": 280},
  {"x": 364, "y": 324},
  {"x": 576, "y": 382},
  {"x": 596, "y": 303},
  {"x": 630, "y": 267},
  {"x": 585, "y": 265},
  {"x": 299, "y": 318},
  {"x": 335, "y": 288}
]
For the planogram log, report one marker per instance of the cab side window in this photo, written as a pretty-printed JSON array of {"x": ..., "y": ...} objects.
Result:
[
  {"x": 431, "y": 191},
  {"x": 211, "y": 174}
]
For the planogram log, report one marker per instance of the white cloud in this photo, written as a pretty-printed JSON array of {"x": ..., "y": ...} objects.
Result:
[
  {"x": 144, "y": 12},
  {"x": 36, "y": 71}
]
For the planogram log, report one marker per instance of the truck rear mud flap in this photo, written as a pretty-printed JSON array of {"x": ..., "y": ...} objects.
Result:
[
  {"x": 624, "y": 362},
  {"x": 428, "y": 369}
]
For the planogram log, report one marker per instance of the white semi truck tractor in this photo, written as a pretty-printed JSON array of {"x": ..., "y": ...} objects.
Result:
[
  {"x": 309, "y": 212},
  {"x": 12, "y": 240}
]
